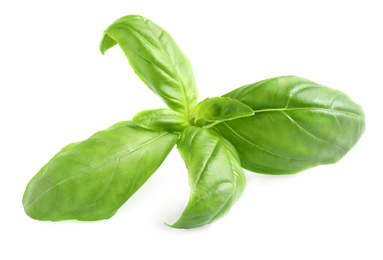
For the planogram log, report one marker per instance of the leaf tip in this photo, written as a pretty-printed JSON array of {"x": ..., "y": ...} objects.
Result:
[
  {"x": 169, "y": 225},
  {"x": 175, "y": 225},
  {"x": 106, "y": 43}
]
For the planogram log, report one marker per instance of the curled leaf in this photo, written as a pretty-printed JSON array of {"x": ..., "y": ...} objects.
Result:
[
  {"x": 216, "y": 178},
  {"x": 156, "y": 59}
]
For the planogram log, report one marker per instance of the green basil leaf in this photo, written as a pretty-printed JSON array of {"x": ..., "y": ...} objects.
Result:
[
  {"x": 90, "y": 180},
  {"x": 156, "y": 59},
  {"x": 161, "y": 120},
  {"x": 219, "y": 109},
  {"x": 216, "y": 178},
  {"x": 297, "y": 124}
]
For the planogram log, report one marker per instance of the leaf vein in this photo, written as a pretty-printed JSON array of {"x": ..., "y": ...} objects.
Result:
[
  {"x": 222, "y": 207},
  {"x": 305, "y": 86},
  {"x": 205, "y": 165},
  {"x": 260, "y": 148},
  {"x": 306, "y": 108},
  {"x": 311, "y": 134}
]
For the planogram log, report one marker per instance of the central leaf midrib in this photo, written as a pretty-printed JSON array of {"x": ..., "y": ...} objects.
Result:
[{"x": 305, "y": 108}]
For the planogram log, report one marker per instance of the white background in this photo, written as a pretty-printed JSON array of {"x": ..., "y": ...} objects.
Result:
[{"x": 57, "y": 88}]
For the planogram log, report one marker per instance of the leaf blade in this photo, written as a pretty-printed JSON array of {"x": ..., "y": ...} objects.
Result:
[
  {"x": 161, "y": 120},
  {"x": 216, "y": 178},
  {"x": 297, "y": 124},
  {"x": 90, "y": 180},
  {"x": 156, "y": 59},
  {"x": 219, "y": 109}
]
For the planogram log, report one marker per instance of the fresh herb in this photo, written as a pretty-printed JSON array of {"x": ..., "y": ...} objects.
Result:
[{"x": 281, "y": 125}]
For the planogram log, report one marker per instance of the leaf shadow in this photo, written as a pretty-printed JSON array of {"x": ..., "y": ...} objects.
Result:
[{"x": 259, "y": 179}]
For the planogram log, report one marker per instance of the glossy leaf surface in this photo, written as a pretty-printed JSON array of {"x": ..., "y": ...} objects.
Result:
[
  {"x": 219, "y": 109},
  {"x": 90, "y": 180},
  {"x": 297, "y": 124},
  {"x": 216, "y": 178},
  {"x": 161, "y": 120},
  {"x": 156, "y": 59}
]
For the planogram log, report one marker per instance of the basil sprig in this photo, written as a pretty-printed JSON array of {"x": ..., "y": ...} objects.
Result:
[{"x": 281, "y": 125}]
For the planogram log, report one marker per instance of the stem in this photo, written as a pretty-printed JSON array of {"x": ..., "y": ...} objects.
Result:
[{"x": 212, "y": 124}]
